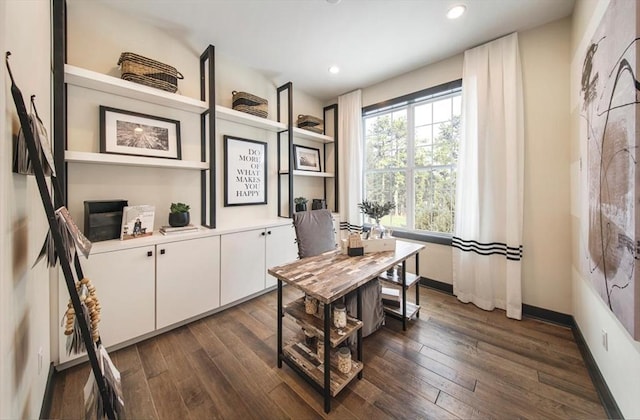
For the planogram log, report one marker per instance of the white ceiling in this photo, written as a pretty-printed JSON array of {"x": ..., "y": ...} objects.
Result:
[{"x": 370, "y": 40}]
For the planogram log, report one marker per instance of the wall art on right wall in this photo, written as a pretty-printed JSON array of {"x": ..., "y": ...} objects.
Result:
[{"x": 609, "y": 94}]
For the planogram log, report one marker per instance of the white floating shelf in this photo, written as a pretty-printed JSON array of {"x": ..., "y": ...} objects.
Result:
[
  {"x": 126, "y": 160},
  {"x": 310, "y": 135},
  {"x": 102, "y": 82},
  {"x": 309, "y": 173},
  {"x": 232, "y": 115}
]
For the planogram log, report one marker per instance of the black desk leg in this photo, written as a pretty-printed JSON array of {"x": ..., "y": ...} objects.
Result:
[
  {"x": 359, "y": 343},
  {"x": 418, "y": 283},
  {"x": 327, "y": 358},
  {"x": 404, "y": 295},
  {"x": 279, "y": 316}
]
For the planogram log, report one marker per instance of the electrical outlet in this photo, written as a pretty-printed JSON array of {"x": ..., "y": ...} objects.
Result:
[
  {"x": 605, "y": 340},
  {"x": 40, "y": 360}
]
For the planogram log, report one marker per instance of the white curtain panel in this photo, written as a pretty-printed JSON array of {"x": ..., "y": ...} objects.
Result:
[
  {"x": 350, "y": 149},
  {"x": 487, "y": 241}
]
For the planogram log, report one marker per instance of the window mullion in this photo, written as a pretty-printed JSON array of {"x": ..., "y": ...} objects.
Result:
[{"x": 409, "y": 174}]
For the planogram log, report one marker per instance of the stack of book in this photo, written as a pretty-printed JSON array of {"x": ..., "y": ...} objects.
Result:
[
  {"x": 391, "y": 297},
  {"x": 169, "y": 230}
]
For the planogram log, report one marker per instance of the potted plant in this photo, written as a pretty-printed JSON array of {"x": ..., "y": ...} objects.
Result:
[
  {"x": 301, "y": 203},
  {"x": 179, "y": 215},
  {"x": 376, "y": 211}
]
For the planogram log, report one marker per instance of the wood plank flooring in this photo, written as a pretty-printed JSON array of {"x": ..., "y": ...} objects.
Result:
[{"x": 455, "y": 361}]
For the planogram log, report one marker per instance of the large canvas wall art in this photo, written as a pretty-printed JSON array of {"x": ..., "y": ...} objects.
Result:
[{"x": 609, "y": 93}]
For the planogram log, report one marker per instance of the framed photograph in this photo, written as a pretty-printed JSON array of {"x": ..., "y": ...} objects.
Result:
[
  {"x": 131, "y": 133},
  {"x": 306, "y": 158},
  {"x": 245, "y": 172}
]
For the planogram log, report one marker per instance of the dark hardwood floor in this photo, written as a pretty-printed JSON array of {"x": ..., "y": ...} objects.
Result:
[{"x": 455, "y": 361}]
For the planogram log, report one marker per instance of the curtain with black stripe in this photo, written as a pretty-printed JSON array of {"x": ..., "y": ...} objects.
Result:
[
  {"x": 350, "y": 159},
  {"x": 487, "y": 242}
]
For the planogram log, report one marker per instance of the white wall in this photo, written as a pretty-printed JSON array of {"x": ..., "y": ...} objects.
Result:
[
  {"x": 95, "y": 44},
  {"x": 547, "y": 229},
  {"x": 24, "y": 292},
  {"x": 546, "y": 276},
  {"x": 620, "y": 365}
]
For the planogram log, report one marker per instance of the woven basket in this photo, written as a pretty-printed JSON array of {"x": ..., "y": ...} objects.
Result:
[
  {"x": 251, "y": 104},
  {"x": 148, "y": 72},
  {"x": 311, "y": 123}
]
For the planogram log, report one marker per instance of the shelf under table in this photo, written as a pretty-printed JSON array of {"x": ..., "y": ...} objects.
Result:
[
  {"x": 305, "y": 360},
  {"x": 412, "y": 310},
  {"x": 397, "y": 280},
  {"x": 296, "y": 310}
]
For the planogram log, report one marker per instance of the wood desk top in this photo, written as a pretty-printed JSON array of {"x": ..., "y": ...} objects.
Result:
[{"x": 331, "y": 275}]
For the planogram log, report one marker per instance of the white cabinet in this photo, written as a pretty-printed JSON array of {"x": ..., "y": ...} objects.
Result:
[
  {"x": 242, "y": 264},
  {"x": 187, "y": 279},
  {"x": 146, "y": 288},
  {"x": 124, "y": 282},
  {"x": 281, "y": 248},
  {"x": 245, "y": 257}
]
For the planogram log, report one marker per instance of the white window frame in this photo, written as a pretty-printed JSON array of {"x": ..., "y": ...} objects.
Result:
[{"x": 409, "y": 102}]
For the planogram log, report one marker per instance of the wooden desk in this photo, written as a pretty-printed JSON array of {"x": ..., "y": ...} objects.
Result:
[{"x": 328, "y": 277}]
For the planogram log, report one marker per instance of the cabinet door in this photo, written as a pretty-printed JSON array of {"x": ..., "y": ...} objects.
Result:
[
  {"x": 124, "y": 282},
  {"x": 242, "y": 261},
  {"x": 281, "y": 249},
  {"x": 188, "y": 279}
]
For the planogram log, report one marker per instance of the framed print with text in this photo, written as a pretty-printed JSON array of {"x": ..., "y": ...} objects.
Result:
[{"x": 245, "y": 172}]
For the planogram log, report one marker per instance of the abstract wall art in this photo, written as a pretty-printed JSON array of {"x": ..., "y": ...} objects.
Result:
[{"x": 610, "y": 219}]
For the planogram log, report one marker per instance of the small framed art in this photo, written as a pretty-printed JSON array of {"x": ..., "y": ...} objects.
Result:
[
  {"x": 131, "y": 133},
  {"x": 306, "y": 158},
  {"x": 245, "y": 172},
  {"x": 137, "y": 221}
]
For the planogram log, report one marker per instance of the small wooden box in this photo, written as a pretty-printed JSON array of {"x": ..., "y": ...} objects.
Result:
[
  {"x": 371, "y": 245},
  {"x": 379, "y": 245},
  {"x": 103, "y": 219}
]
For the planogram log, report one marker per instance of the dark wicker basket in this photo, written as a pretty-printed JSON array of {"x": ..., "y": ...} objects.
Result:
[
  {"x": 251, "y": 104},
  {"x": 311, "y": 123},
  {"x": 148, "y": 72}
]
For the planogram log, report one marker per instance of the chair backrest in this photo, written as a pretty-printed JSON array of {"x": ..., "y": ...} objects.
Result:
[{"x": 314, "y": 232}]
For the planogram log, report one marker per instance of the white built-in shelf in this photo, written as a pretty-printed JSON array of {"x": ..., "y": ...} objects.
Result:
[
  {"x": 309, "y": 173},
  {"x": 232, "y": 115},
  {"x": 102, "y": 82},
  {"x": 310, "y": 135},
  {"x": 126, "y": 160}
]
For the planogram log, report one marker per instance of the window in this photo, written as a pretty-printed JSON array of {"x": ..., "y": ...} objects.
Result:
[{"x": 411, "y": 151}]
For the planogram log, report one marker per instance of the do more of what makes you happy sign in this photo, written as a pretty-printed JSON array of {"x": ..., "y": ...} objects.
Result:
[{"x": 245, "y": 174}]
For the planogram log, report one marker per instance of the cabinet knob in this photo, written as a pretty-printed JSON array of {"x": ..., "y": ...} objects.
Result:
[
  {"x": 149, "y": 253},
  {"x": 162, "y": 252},
  {"x": 268, "y": 232},
  {"x": 262, "y": 233}
]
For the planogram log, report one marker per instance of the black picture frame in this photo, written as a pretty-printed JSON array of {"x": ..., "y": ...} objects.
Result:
[
  {"x": 125, "y": 132},
  {"x": 245, "y": 171},
  {"x": 306, "y": 158}
]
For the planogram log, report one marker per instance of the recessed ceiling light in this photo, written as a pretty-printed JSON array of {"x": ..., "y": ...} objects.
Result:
[
  {"x": 333, "y": 1},
  {"x": 456, "y": 11},
  {"x": 334, "y": 69}
]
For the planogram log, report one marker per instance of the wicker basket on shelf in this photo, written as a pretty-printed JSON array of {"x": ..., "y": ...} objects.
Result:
[
  {"x": 148, "y": 72},
  {"x": 251, "y": 104},
  {"x": 311, "y": 123}
]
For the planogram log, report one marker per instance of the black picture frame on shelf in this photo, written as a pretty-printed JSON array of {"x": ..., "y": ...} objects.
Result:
[
  {"x": 306, "y": 158},
  {"x": 245, "y": 172},
  {"x": 132, "y": 133}
]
